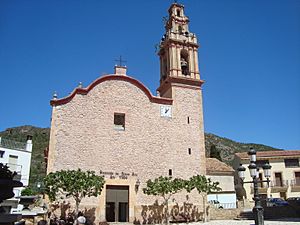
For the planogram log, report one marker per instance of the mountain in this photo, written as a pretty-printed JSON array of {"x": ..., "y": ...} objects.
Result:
[
  {"x": 40, "y": 140},
  {"x": 228, "y": 148}
]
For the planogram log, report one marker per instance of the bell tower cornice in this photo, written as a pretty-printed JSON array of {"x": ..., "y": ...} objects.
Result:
[
  {"x": 177, "y": 81},
  {"x": 175, "y": 42}
]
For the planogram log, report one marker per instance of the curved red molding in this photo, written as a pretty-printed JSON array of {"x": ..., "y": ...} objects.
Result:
[{"x": 84, "y": 91}]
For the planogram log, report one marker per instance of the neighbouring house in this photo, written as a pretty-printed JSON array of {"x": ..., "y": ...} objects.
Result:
[
  {"x": 285, "y": 173},
  {"x": 116, "y": 127},
  {"x": 17, "y": 156},
  {"x": 224, "y": 174}
]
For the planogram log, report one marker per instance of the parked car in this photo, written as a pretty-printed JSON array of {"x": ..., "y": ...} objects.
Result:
[
  {"x": 294, "y": 201},
  {"x": 276, "y": 202},
  {"x": 216, "y": 204}
]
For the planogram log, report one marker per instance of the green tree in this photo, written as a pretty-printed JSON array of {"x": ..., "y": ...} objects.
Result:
[
  {"x": 164, "y": 187},
  {"x": 76, "y": 184},
  {"x": 28, "y": 192},
  {"x": 215, "y": 153},
  {"x": 204, "y": 186}
]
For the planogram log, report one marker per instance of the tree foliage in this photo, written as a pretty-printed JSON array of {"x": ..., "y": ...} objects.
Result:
[
  {"x": 163, "y": 186},
  {"x": 202, "y": 185},
  {"x": 166, "y": 187},
  {"x": 76, "y": 184},
  {"x": 215, "y": 153},
  {"x": 28, "y": 192}
]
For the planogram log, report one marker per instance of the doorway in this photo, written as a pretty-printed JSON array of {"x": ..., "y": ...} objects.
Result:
[
  {"x": 116, "y": 209},
  {"x": 278, "y": 180},
  {"x": 297, "y": 178}
]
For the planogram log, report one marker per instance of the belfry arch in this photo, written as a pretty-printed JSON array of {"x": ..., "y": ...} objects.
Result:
[{"x": 184, "y": 62}]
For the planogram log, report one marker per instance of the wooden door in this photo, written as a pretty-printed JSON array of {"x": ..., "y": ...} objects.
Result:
[
  {"x": 297, "y": 178},
  {"x": 278, "y": 180}
]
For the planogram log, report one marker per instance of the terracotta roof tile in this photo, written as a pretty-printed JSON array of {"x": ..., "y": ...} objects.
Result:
[
  {"x": 266, "y": 154},
  {"x": 215, "y": 166}
]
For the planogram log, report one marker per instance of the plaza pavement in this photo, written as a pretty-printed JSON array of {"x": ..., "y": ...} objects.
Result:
[
  {"x": 292, "y": 221},
  {"x": 250, "y": 222}
]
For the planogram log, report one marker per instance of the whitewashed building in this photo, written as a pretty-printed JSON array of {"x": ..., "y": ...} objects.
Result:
[
  {"x": 220, "y": 172},
  {"x": 285, "y": 173},
  {"x": 17, "y": 156}
]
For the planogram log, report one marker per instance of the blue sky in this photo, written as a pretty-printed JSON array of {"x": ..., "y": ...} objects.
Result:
[{"x": 249, "y": 58}]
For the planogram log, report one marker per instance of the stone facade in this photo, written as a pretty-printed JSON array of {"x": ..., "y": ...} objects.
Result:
[
  {"x": 83, "y": 136},
  {"x": 151, "y": 144}
]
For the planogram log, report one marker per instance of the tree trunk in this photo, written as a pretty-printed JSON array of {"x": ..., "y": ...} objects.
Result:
[
  {"x": 204, "y": 197},
  {"x": 77, "y": 200},
  {"x": 167, "y": 211}
]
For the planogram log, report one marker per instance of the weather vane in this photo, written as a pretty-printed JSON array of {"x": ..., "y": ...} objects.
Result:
[{"x": 120, "y": 61}]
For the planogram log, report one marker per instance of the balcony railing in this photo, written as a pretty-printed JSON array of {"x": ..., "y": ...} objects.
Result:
[
  {"x": 5, "y": 143},
  {"x": 295, "y": 182},
  {"x": 295, "y": 185},
  {"x": 225, "y": 205},
  {"x": 260, "y": 185},
  {"x": 276, "y": 184},
  {"x": 262, "y": 188}
]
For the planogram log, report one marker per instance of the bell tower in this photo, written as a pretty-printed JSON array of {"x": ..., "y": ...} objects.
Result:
[
  {"x": 180, "y": 81},
  {"x": 178, "y": 51}
]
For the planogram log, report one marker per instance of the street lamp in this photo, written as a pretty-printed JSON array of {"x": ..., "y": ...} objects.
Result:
[
  {"x": 258, "y": 210},
  {"x": 38, "y": 185},
  {"x": 40, "y": 188}
]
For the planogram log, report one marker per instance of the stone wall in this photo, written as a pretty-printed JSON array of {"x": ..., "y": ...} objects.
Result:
[
  {"x": 223, "y": 214},
  {"x": 83, "y": 136}
]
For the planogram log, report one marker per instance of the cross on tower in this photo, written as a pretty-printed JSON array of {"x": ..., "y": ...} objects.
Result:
[{"x": 120, "y": 61}]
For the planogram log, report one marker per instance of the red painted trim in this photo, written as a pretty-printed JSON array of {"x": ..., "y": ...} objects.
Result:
[{"x": 84, "y": 91}]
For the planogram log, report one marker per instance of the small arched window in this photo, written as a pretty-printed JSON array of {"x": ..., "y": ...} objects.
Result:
[
  {"x": 178, "y": 12},
  {"x": 180, "y": 29},
  {"x": 184, "y": 62}
]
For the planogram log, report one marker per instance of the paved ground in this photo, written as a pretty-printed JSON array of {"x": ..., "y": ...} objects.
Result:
[
  {"x": 234, "y": 222},
  {"x": 250, "y": 222}
]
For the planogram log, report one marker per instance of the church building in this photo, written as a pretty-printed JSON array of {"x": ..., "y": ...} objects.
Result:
[{"x": 119, "y": 129}]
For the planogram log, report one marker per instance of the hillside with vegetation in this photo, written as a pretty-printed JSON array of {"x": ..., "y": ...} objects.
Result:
[{"x": 225, "y": 147}]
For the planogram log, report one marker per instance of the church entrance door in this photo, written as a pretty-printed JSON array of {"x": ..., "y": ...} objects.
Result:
[{"x": 117, "y": 203}]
